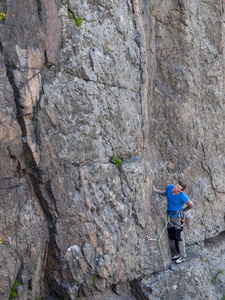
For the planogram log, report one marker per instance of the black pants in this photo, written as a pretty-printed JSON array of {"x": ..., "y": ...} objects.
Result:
[{"x": 176, "y": 235}]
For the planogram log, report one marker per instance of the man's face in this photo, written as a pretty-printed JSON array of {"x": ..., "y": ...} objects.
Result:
[{"x": 177, "y": 188}]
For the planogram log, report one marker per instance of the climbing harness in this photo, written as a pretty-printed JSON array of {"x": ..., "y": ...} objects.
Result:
[
  {"x": 176, "y": 221},
  {"x": 160, "y": 247}
]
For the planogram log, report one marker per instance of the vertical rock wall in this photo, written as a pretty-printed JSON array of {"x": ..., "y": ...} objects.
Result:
[{"x": 138, "y": 80}]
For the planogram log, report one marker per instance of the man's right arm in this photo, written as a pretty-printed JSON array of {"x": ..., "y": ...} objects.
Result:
[
  {"x": 163, "y": 193},
  {"x": 189, "y": 204}
]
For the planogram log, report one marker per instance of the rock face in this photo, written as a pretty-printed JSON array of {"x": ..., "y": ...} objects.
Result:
[
  {"x": 83, "y": 82},
  {"x": 201, "y": 277}
]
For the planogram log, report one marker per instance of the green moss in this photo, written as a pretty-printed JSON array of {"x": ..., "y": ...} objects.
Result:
[
  {"x": 16, "y": 283},
  {"x": 70, "y": 15},
  {"x": 107, "y": 268},
  {"x": 94, "y": 279},
  {"x": 116, "y": 161},
  {"x": 13, "y": 293},
  {"x": 213, "y": 280},
  {"x": 79, "y": 21},
  {"x": 223, "y": 297}
]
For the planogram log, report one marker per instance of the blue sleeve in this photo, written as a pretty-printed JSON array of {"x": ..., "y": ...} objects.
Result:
[
  {"x": 185, "y": 198},
  {"x": 169, "y": 187}
]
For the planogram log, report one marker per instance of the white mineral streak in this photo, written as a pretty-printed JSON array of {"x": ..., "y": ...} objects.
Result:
[{"x": 72, "y": 252}]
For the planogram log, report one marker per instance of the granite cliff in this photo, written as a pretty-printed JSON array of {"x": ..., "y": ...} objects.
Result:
[{"x": 83, "y": 82}]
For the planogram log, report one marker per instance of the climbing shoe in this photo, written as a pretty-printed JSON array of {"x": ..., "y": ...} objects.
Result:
[
  {"x": 175, "y": 257},
  {"x": 180, "y": 260}
]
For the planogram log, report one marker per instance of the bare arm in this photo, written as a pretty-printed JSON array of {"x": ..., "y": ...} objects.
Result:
[
  {"x": 163, "y": 193},
  {"x": 189, "y": 204}
]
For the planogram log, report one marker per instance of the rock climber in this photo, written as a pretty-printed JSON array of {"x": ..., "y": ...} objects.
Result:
[{"x": 176, "y": 198}]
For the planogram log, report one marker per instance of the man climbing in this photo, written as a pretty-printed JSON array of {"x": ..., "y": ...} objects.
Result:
[{"x": 175, "y": 200}]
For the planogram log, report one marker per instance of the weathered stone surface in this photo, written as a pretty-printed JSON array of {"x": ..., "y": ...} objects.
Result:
[
  {"x": 201, "y": 277},
  {"x": 139, "y": 80},
  {"x": 23, "y": 236}
]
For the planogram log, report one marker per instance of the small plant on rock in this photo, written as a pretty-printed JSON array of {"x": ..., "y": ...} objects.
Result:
[
  {"x": 213, "y": 280},
  {"x": 79, "y": 21},
  {"x": 2, "y": 18},
  {"x": 13, "y": 293},
  {"x": 70, "y": 15},
  {"x": 116, "y": 161}
]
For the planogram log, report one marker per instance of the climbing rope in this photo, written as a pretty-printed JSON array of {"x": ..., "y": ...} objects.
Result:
[{"x": 160, "y": 247}]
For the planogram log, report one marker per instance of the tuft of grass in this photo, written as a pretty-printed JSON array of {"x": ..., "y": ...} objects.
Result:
[
  {"x": 79, "y": 21},
  {"x": 116, "y": 161},
  {"x": 70, "y": 15},
  {"x": 13, "y": 293},
  {"x": 107, "y": 268},
  {"x": 94, "y": 279},
  {"x": 223, "y": 297}
]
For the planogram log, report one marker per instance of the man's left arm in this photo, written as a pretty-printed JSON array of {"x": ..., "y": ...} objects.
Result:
[{"x": 189, "y": 204}]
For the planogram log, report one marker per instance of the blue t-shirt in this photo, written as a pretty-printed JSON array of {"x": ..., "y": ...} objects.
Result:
[{"x": 175, "y": 202}]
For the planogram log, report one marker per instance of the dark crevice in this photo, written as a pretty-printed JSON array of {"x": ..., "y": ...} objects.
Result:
[
  {"x": 28, "y": 154},
  {"x": 46, "y": 57},
  {"x": 136, "y": 290},
  {"x": 53, "y": 260},
  {"x": 40, "y": 189},
  {"x": 51, "y": 196},
  {"x": 56, "y": 262},
  {"x": 35, "y": 119},
  {"x": 17, "y": 98},
  {"x": 46, "y": 201},
  {"x": 39, "y": 9},
  {"x": 49, "y": 213},
  {"x": 215, "y": 241}
]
